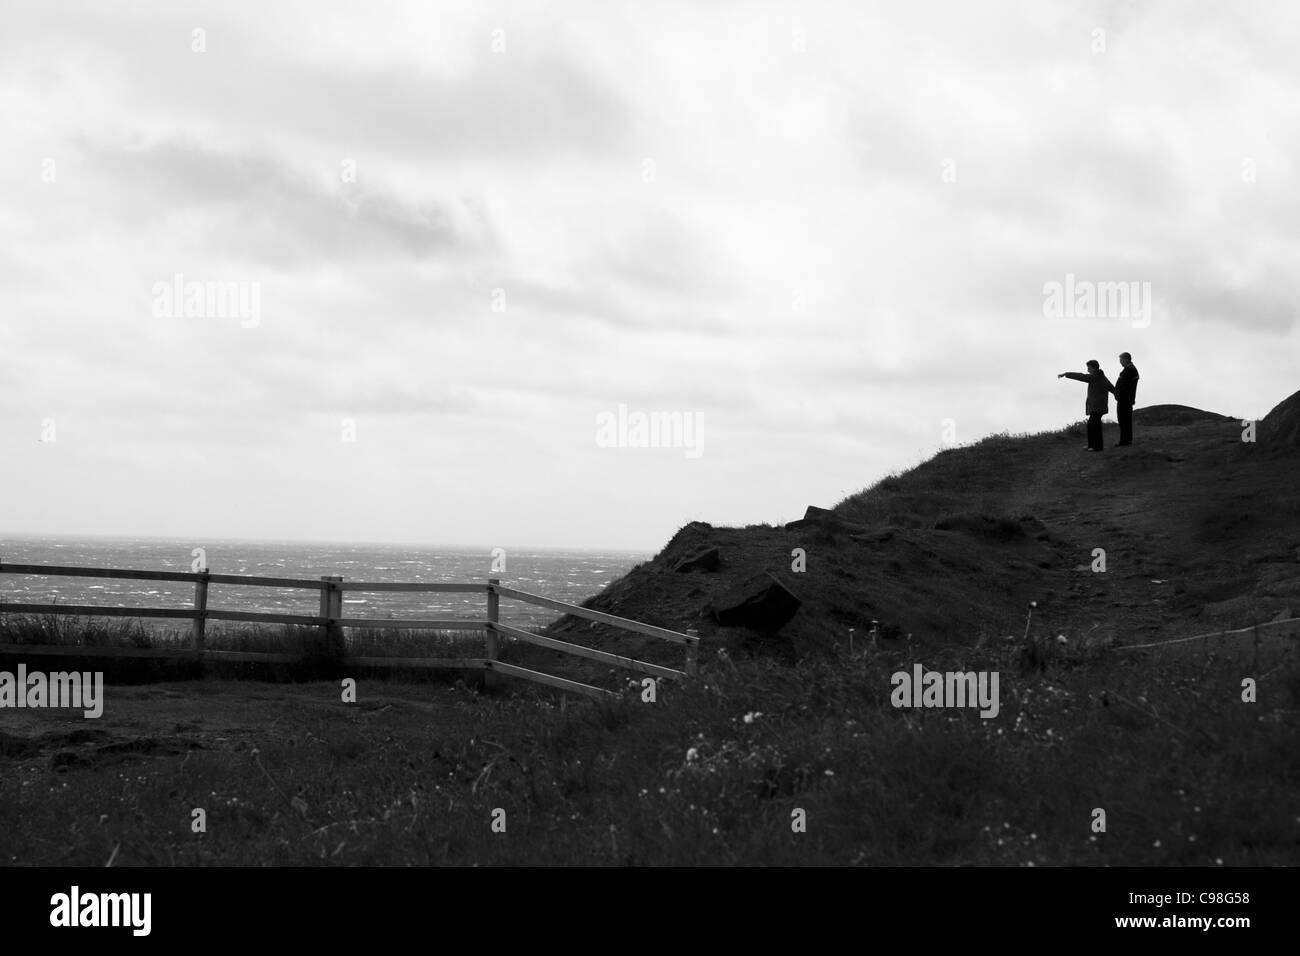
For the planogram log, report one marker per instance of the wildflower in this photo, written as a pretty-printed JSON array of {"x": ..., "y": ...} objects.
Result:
[
  {"x": 1156, "y": 844},
  {"x": 692, "y": 754}
]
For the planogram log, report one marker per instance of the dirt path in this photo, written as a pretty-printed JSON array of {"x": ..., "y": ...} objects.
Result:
[{"x": 1154, "y": 508}]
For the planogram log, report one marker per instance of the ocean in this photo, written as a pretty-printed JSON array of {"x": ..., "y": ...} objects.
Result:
[{"x": 565, "y": 575}]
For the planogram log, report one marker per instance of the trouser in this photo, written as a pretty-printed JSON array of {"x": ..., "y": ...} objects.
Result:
[
  {"x": 1094, "y": 431},
  {"x": 1125, "y": 415}
]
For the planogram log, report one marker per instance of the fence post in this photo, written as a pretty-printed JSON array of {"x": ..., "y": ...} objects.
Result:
[
  {"x": 201, "y": 606},
  {"x": 331, "y": 609},
  {"x": 493, "y": 616}
]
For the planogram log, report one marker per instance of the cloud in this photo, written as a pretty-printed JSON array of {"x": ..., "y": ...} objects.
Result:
[
  {"x": 798, "y": 268},
  {"x": 250, "y": 199}
]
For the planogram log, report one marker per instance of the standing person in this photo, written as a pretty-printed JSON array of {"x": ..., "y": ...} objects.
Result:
[
  {"x": 1126, "y": 387},
  {"x": 1099, "y": 387}
]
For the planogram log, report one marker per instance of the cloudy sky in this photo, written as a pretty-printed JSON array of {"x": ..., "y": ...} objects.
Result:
[{"x": 473, "y": 231}]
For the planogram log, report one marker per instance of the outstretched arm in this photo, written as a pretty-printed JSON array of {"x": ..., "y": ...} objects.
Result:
[{"x": 1077, "y": 376}]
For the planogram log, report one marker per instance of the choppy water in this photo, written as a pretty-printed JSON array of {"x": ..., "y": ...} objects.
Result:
[{"x": 570, "y": 576}]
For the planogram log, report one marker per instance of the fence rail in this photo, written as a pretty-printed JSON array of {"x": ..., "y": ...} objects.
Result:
[{"x": 330, "y": 622}]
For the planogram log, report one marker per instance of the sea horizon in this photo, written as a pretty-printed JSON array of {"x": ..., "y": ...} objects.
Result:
[
  {"x": 571, "y": 575},
  {"x": 355, "y": 542}
]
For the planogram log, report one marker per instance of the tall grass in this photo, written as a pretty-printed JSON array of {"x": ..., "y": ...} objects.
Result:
[
  {"x": 31, "y": 632},
  {"x": 713, "y": 772},
  {"x": 86, "y": 631},
  {"x": 66, "y": 629}
]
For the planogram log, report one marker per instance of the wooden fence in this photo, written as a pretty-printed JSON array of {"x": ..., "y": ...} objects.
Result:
[{"x": 330, "y": 621}]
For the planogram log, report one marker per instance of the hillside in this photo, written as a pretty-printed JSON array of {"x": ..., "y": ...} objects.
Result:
[{"x": 1200, "y": 529}]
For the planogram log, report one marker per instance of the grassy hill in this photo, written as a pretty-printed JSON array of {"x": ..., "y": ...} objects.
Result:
[{"x": 1200, "y": 531}]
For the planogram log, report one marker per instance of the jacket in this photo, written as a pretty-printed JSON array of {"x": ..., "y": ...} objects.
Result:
[
  {"x": 1126, "y": 386},
  {"x": 1099, "y": 388}
]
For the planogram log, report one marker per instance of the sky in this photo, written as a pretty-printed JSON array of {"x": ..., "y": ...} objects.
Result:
[{"x": 442, "y": 266}]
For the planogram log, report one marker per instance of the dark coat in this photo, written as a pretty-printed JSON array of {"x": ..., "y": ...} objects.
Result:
[
  {"x": 1126, "y": 386},
  {"x": 1099, "y": 388}
]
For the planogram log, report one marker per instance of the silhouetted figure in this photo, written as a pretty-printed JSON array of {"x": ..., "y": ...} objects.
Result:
[
  {"x": 1099, "y": 387},
  {"x": 1125, "y": 392}
]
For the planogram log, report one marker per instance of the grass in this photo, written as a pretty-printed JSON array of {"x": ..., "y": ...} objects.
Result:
[
  {"x": 82, "y": 631},
  {"x": 64, "y": 629},
  {"x": 917, "y": 496},
  {"x": 709, "y": 774}
]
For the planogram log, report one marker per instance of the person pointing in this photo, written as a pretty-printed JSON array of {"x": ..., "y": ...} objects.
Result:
[{"x": 1099, "y": 387}]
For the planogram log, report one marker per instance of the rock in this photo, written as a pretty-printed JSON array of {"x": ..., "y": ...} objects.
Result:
[
  {"x": 760, "y": 603},
  {"x": 707, "y": 559},
  {"x": 815, "y": 517}
]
